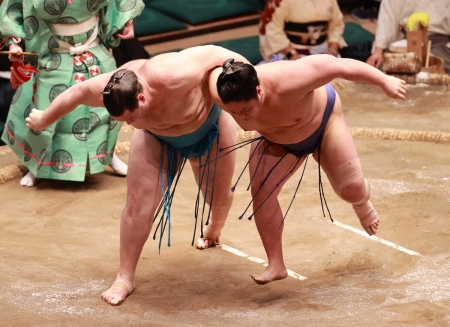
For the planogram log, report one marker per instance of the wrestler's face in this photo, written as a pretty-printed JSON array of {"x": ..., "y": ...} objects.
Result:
[
  {"x": 135, "y": 118},
  {"x": 246, "y": 110}
]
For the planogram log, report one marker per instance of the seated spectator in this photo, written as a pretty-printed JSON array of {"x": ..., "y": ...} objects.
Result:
[
  {"x": 367, "y": 12},
  {"x": 392, "y": 18},
  {"x": 294, "y": 28}
]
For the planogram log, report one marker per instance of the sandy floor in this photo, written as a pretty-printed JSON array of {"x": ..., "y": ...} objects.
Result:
[{"x": 59, "y": 240}]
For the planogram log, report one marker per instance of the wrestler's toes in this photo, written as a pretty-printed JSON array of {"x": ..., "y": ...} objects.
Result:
[
  {"x": 106, "y": 297},
  {"x": 118, "y": 291},
  {"x": 259, "y": 279},
  {"x": 204, "y": 243},
  {"x": 114, "y": 299},
  {"x": 372, "y": 229}
]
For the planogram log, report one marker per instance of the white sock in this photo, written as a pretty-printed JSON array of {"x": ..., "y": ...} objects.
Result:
[
  {"x": 28, "y": 179},
  {"x": 119, "y": 166}
]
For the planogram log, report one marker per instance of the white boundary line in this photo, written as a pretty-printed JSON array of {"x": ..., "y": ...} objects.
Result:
[
  {"x": 300, "y": 277},
  {"x": 376, "y": 239},
  {"x": 258, "y": 260}
]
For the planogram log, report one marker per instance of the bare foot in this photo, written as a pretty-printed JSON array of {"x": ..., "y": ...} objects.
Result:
[
  {"x": 368, "y": 217},
  {"x": 211, "y": 238},
  {"x": 204, "y": 243},
  {"x": 118, "y": 291},
  {"x": 372, "y": 229},
  {"x": 28, "y": 179},
  {"x": 269, "y": 275},
  {"x": 120, "y": 167}
]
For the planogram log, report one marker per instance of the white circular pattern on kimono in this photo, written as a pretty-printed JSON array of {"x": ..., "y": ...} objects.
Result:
[
  {"x": 79, "y": 77},
  {"x": 94, "y": 70},
  {"x": 77, "y": 61},
  {"x": 88, "y": 58}
]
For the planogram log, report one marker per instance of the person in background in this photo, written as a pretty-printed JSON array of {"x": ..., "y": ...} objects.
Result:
[
  {"x": 392, "y": 19},
  {"x": 367, "y": 12},
  {"x": 128, "y": 50},
  {"x": 6, "y": 91},
  {"x": 72, "y": 41},
  {"x": 294, "y": 28}
]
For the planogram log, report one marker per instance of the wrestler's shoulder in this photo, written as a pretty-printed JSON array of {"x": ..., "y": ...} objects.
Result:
[
  {"x": 163, "y": 63},
  {"x": 134, "y": 65},
  {"x": 144, "y": 66}
]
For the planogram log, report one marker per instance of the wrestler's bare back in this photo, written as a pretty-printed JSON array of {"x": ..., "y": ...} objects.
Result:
[{"x": 175, "y": 105}]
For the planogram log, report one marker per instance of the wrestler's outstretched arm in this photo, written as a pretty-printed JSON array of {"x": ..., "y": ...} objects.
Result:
[
  {"x": 312, "y": 72},
  {"x": 87, "y": 93}
]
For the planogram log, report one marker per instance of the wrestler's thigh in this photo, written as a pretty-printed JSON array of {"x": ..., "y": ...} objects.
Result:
[
  {"x": 143, "y": 179},
  {"x": 228, "y": 138},
  {"x": 224, "y": 166},
  {"x": 272, "y": 162},
  {"x": 337, "y": 145}
]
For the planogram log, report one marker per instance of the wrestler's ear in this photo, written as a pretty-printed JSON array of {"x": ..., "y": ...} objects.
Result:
[
  {"x": 259, "y": 92},
  {"x": 141, "y": 97}
]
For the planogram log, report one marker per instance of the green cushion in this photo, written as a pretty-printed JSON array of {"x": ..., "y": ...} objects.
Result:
[
  {"x": 247, "y": 47},
  {"x": 354, "y": 34},
  {"x": 204, "y": 11},
  {"x": 152, "y": 21}
]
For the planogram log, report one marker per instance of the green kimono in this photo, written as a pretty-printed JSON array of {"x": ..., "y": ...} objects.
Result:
[{"x": 83, "y": 140}]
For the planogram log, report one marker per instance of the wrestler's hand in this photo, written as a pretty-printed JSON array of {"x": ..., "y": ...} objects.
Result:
[
  {"x": 395, "y": 87},
  {"x": 36, "y": 120}
]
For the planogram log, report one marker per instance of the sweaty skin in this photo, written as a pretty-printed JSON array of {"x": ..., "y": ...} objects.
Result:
[
  {"x": 175, "y": 100},
  {"x": 289, "y": 107}
]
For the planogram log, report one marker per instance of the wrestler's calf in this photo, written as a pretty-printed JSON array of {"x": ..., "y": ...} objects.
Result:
[{"x": 349, "y": 184}]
